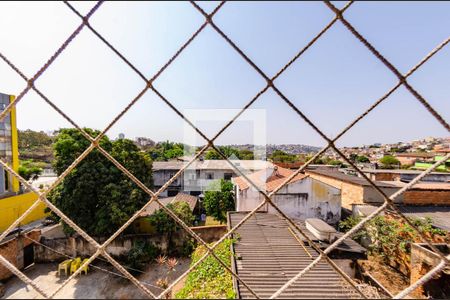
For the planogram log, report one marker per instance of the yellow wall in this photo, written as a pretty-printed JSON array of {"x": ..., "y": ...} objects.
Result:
[
  {"x": 14, "y": 145},
  {"x": 13, "y": 207},
  {"x": 142, "y": 225}
]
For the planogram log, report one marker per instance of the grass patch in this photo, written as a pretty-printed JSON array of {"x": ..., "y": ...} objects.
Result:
[
  {"x": 210, "y": 280},
  {"x": 211, "y": 221}
]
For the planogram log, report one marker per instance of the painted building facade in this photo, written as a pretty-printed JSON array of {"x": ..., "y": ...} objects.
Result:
[
  {"x": 13, "y": 202},
  {"x": 302, "y": 198}
]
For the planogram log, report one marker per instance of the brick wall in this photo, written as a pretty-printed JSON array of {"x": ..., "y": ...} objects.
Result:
[
  {"x": 422, "y": 261},
  {"x": 350, "y": 193},
  {"x": 13, "y": 251},
  {"x": 386, "y": 177},
  {"x": 426, "y": 197}
]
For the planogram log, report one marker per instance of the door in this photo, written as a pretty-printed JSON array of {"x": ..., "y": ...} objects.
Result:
[{"x": 28, "y": 255}]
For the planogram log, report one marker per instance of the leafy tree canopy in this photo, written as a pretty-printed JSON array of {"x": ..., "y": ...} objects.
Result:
[
  {"x": 168, "y": 150},
  {"x": 165, "y": 224},
  {"x": 219, "y": 199},
  {"x": 96, "y": 195},
  {"x": 32, "y": 139},
  {"x": 362, "y": 159},
  {"x": 283, "y": 157},
  {"x": 228, "y": 151},
  {"x": 29, "y": 169},
  {"x": 389, "y": 161}
]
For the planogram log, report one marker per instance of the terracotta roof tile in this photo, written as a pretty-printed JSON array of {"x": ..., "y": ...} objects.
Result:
[{"x": 274, "y": 178}]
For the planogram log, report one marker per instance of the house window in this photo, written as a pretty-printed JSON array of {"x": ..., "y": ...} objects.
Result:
[
  {"x": 227, "y": 176},
  {"x": 209, "y": 175}
]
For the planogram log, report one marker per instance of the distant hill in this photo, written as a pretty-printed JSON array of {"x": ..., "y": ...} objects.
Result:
[{"x": 288, "y": 148}]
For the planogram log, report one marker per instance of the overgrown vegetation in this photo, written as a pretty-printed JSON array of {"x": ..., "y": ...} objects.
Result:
[
  {"x": 96, "y": 195},
  {"x": 169, "y": 150},
  {"x": 140, "y": 255},
  {"x": 166, "y": 226},
  {"x": 209, "y": 280},
  {"x": 229, "y": 152},
  {"x": 35, "y": 145},
  {"x": 390, "y": 238},
  {"x": 219, "y": 199},
  {"x": 389, "y": 162},
  {"x": 283, "y": 157},
  {"x": 30, "y": 169}
]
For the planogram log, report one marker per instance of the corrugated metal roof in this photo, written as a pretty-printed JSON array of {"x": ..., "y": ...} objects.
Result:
[{"x": 268, "y": 255}]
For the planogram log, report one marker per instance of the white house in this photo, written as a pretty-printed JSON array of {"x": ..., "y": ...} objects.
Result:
[
  {"x": 200, "y": 174},
  {"x": 302, "y": 198}
]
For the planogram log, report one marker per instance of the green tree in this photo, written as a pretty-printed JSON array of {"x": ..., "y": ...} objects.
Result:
[
  {"x": 389, "y": 162},
  {"x": 165, "y": 224},
  {"x": 228, "y": 151},
  {"x": 246, "y": 154},
  {"x": 35, "y": 145},
  {"x": 167, "y": 150},
  {"x": 335, "y": 162},
  {"x": 96, "y": 194},
  {"x": 353, "y": 157},
  {"x": 283, "y": 157},
  {"x": 29, "y": 139},
  {"x": 219, "y": 199},
  {"x": 29, "y": 169},
  {"x": 362, "y": 159}
]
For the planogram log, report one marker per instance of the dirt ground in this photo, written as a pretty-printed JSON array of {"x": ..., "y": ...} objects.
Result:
[
  {"x": 97, "y": 284},
  {"x": 391, "y": 279}
]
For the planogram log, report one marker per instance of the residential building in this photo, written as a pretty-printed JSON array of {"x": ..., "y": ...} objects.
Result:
[
  {"x": 303, "y": 197},
  {"x": 141, "y": 225},
  {"x": 357, "y": 190},
  {"x": 425, "y": 164},
  {"x": 13, "y": 201},
  {"x": 411, "y": 157},
  {"x": 353, "y": 189},
  {"x": 404, "y": 175},
  {"x": 199, "y": 175}
]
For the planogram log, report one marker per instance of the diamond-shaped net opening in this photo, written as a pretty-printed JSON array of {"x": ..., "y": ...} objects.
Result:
[{"x": 294, "y": 279}]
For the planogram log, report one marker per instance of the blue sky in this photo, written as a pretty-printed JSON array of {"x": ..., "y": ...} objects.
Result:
[{"x": 332, "y": 83}]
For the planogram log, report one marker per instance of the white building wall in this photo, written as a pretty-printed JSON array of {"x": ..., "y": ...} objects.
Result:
[{"x": 307, "y": 198}]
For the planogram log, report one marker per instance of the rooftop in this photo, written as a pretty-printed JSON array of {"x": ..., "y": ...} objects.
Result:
[
  {"x": 434, "y": 186},
  {"x": 268, "y": 255},
  {"x": 274, "y": 177},
  {"x": 400, "y": 171},
  {"x": 347, "y": 178},
  {"x": 212, "y": 165},
  {"x": 439, "y": 215},
  {"x": 180, "y": 197},
  {"x": 416, "y": 154}
]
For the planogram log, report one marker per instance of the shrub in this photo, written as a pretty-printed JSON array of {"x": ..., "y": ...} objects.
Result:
[
  {"x": 210, "y": 280},
  {"x": 140, "y": 255},
  {"x": 391, "y": 237}
]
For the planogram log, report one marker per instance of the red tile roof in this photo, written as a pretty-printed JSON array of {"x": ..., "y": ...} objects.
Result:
[{"x": 274, "y": 178}]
